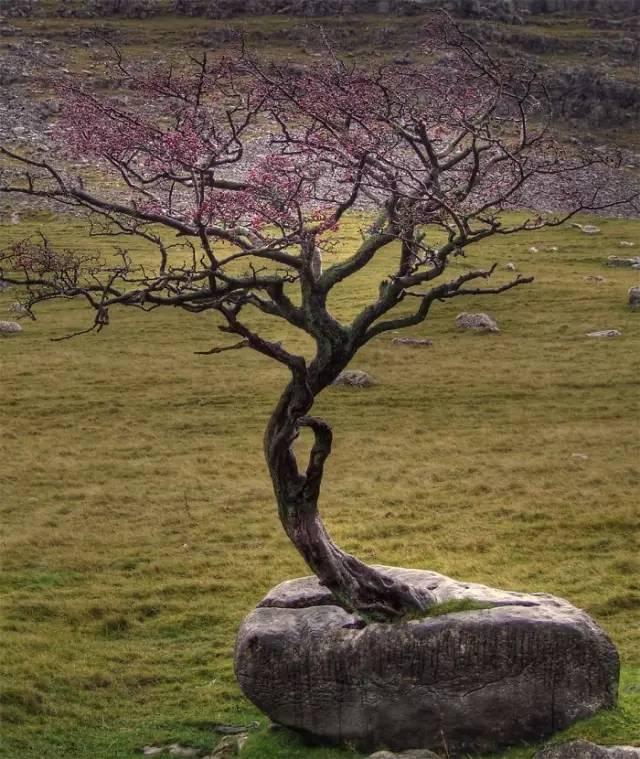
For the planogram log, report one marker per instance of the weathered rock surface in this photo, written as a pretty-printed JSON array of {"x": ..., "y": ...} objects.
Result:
[
  {"x": 587, "y": 750},
  {"x": 480, "y": 322},
  {"x": 354, "y": 378},
  {"x": 10, "y": 328},
  {"x": 634, "y": 297},
  {"x": 530, "y": 665}
]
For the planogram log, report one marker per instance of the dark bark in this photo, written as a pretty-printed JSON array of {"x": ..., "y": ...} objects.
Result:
[{"x": 355, "y": 585}]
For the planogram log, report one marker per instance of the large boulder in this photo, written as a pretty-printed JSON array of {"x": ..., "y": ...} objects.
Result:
[{"x": 472, "y": 680}]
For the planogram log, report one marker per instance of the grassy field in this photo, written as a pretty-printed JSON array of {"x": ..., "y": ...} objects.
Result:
[{"x": 139, "y": 525}]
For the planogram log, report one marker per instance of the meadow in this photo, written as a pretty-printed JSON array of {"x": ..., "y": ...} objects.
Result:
[{"x": 139, "y": 524}]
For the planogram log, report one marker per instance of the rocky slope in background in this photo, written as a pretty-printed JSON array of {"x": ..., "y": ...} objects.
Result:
[{"x": 589, "y": 61}]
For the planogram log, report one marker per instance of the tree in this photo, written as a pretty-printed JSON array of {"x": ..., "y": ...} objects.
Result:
[{"x": 252, "y": 167}]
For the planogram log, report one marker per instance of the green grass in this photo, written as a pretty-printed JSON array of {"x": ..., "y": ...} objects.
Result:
[{"x": 139, "y": 524}]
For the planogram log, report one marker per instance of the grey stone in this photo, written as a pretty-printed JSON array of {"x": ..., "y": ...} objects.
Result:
[
  {"x": 588, "y": 229},
  {"x": 626, "y": 244},
  {"x": 586, "y": 750},
  {"x": 354, "y": 378},
  {"x": 480, "y": 322},
  {"x": 415, "y": 342},
  {"x": 622, "y": 262},
  {"x": 634, "y": 297},
  {"x": 510, "y": 266},
  {"x": 518, "y": 671},
  {"x": 10, "y": 328},
  {"x": 605, "y": 333}
]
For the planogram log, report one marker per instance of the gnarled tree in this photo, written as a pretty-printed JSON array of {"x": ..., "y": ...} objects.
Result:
[{"x": 252, "y": 166}]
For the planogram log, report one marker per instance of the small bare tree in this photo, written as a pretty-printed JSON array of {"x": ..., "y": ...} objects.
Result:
[{"x": 252, "y": 167}]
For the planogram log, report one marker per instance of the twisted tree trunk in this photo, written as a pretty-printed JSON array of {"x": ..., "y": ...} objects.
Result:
[{"x": 355, "y": 585}]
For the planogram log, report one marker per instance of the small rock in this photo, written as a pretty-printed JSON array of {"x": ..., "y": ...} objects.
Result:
[
  {"x": 634, "y": 297},
  {"x": 617, "y": 261},
  {"x": 229, "y": 746},
  {"x": 605, "y": 333},
  {"x": 510, "y": 267},
  {"x": 553, "y": 248},
  {"x": 354, "y": 378},
  {"x": 10, "y": 328},
  {"x": 588, "y": 229},
  {"x": 413, "y": 341},
  {"x": 586, "y": 750},
  {"x": 533, "y": 249},
  {"x": 4, "y": 285},
  {"x": 595, "y": 278},
  {"x": 152, "y": 750},
  {"x": 480, "y": 322},
  {"x": 15, "y": 218},
  {"x": 581, "y": 456},
  {"x": 626, "y": 244}
]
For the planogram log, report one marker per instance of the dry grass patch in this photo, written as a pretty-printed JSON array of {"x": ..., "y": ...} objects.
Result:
[{"x": 139, "y": 526}]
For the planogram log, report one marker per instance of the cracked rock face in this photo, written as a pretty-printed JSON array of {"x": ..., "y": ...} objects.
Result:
[{"x": 472, "y": 680}]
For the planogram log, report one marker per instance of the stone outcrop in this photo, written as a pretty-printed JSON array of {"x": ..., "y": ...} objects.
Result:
[{"x": 479, "y": 679}]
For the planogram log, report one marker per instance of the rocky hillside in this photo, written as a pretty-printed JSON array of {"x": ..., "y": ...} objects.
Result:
[{"x": 514, "y": 10}]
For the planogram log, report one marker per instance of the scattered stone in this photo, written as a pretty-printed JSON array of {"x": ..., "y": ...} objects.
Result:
[
  {"x": 224, "y": 729},
  {"x": 229, "y": 746},
  {"x": 553, "y": 248},
  {"x": 634, "y": 297},
  {"x": 510, "y": 267},
  {"x": 595, "y": 279},
  {"x": 10, "y": 328},
  {"x": 618, "y": 261},
  {"x": 354, "y": 378},
  {"x": 588, "y": 229},
  {"x": 480, "y": 322},
  {"x": 581, "y": 456},
  {"x": 152, "y": 750},
  {"x": 533, "y": 249},
  {"x": 626, "y": 244},
  {"x": 586, "y": 750},
  {"x": 516, "y": 671},
  {"x": 15, "y": 218},
  {"x": 413, "y": 341},
  {"x": 605, "y": 333}
]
